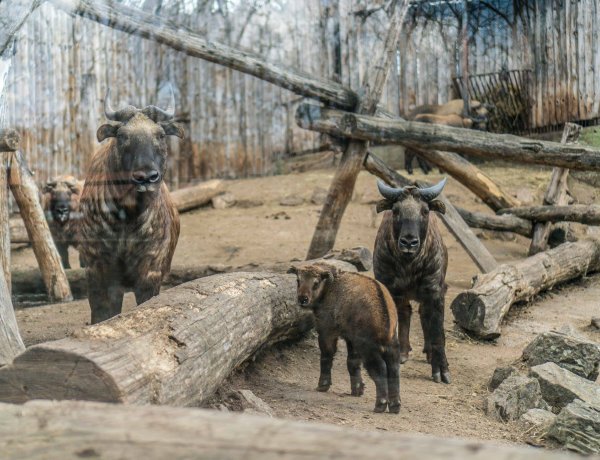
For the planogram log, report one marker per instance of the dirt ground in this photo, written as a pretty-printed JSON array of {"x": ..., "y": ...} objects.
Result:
[{"x": 285, "y": 377}]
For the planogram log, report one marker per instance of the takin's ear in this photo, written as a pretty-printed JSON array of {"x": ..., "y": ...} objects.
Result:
[
  {"x": 438, "y": 206},
  {"x": 329, "y": 273},
  {"x": 293, "y": 270},
  {"x": 383, "y": 205},
  {"x": 173, "y": 129},
  {"x": 106, "y": 131},
  {"x": 49, "y": 187}
]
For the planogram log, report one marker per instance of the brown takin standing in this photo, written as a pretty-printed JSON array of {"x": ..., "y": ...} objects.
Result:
[
  {"x": 130, "y": 227},
  {"x": 410, "y": 259},
  {"x": 60, "y": 201},
  {"x": 362, "y": 312}
]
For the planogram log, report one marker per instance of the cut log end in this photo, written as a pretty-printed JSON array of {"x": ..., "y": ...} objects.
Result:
[{"x": 470, "y": 313}]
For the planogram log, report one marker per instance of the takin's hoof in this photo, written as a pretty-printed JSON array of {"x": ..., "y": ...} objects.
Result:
[
  {"x": 394, "y": 408},
  {"x": 358, "y": 390},
  {"x": 380, "y": 406},
  {"x": 403, "y": 357},
  {"x": 323, "y": 388},
  {"x": 439, "y": 377}
]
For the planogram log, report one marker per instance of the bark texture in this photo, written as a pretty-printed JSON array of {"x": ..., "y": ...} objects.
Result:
[
  {"x": 11, "y": 343},
  {"x": 584, "y": 214},
  {"x": 503, "y": 223},
  {"x": 188, "y": 198}
]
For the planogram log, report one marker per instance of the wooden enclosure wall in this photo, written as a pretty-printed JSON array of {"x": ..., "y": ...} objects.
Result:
[{"x": 239, "y": 126}]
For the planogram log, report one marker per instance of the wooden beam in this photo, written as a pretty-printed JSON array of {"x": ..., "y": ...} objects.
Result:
[
  {"x": 26, "y": 195},
  {"x": 9, "y": 142},
  {"x": 452, "y": 219},
  {"x": 582, "y": 213},
  {"x": 71, "y": 430},
  {"x": 417, "y": 135},
  {"x": 480, "y": 310},
  {"x": 504, "y": 223},
  {"x": 556, "y": 194},
  {"x": 342, "y": 185},
  {"x": 175, "y": 349},
  {"x": 11, "y": 343}
]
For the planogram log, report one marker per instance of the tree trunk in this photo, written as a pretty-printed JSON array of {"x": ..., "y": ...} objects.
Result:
[
  {"x": 342, "y": 185},
  {"x": 11, "y": 343},
  {"x": 188, "y": 198},
  {"x": 64, "y": 430},
  {"x": 555, "y": 195},
  {"x": 28, "y": 284},
  {"x": 4, "y": 219},
  {"x": 455, "y": 224},
  {"x": 582, "y": 213},
  {"x": 174, "y": 349},
  {"x": 480, "y": 309},
  {"x": 417, "y": 136},
  {"x": 504, "y": 223},
  {"x": 27, "y": 195}
]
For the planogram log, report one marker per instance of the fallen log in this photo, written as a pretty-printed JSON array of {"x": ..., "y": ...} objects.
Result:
[
  {"x": 480, "y": 310},
  {"x": 63, "y": 430},
  {"x": 503, "y": 223},
  {"x": 582, "y": 213},
  {"x": 188, "y": 198},
  {"x": 452, "y": 219},
  {"x": 174, "y": 349},
  {"x": 26, "y": 195},
  {"x": 427, "y": 136},
  {"x": 28, "y": 284},
  {"x": 18, "y": 232}
]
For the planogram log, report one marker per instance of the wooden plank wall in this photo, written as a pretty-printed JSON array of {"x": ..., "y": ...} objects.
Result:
[{"x": 239, "y": 126}]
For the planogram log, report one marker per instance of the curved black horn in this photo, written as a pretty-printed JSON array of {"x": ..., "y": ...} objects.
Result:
[
  {"x": 389, "y": 193},
  {"x": 109, "y": 113},
  {"x": 430, "y": 193}
]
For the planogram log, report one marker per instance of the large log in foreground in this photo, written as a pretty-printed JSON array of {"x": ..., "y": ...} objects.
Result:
[
  {"x": 504, "y": 223},
  {"x": 175, "y": 349},
  {"x": 582, "y": 213},
  {"x": 64, "y": 430},
  {"x": 480, "y": 310},
  {"x": 26, "y": 195},
  {"x": 437, "y": 137}
]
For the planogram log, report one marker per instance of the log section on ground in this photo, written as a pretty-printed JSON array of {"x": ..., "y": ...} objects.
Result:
[
  {"x": 437, "y": 137},
  {"x": 11, "y": 343},
  {"x": 28, "y": 284},
  {"x": 504, "y": 223},
  {"x": 187, "y": 198},
  {"x": 64, "y": 430},
  {"x": 582, "y": 213},
  {"x": 480, "y": 310},
  {"x": 26, "y": 195},
  {"x": 174, "y": 349},
  {"x": 452, "y": 219}
]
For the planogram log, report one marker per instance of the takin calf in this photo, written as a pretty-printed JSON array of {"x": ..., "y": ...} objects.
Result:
[
  {"x": 410, "y": 259},
  {"x": 130, "y": 227},
  {"x": 60, "y": 201},
  {"x": 362, "y": 312}
]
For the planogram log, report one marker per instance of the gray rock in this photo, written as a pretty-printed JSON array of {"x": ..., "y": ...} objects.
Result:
[
  {"x": 579, "y": 356},
  {"x": 539, "y": 418},
  {"x": 319, "y": 196},
  {"x": 225, "y": 200},
  {"x": 253, "y": 404},
  {"x": 596, "y": 322},
  {"x": 291, "y": 200},
  {"x": 569, "y": 329},
  {"x": 500, "y": 375},
  {"x": 577, "y": 427},
  {"x": 560, "y": 386},
  {"x": 515, "y": 396}
]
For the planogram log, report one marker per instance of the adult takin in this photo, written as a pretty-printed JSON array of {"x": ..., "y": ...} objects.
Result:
[
  {"x": 60, "y": 201},
  {"x": 361, "y": 311},
  {"x": 410, "y": 259},
  {"x": 130, "y": 227}
]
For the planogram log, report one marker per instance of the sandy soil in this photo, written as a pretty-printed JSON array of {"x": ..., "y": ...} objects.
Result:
[{"x": 285, "y": 377}]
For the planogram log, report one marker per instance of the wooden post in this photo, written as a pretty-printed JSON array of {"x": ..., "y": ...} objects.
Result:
[
  {"x": 11, "y": 343},
  {"x": 27, "y": 195},
  {"x": 452, "y": 219},
  {"x": 555, "y": 195},
  {"x": 342, "y": 186}
]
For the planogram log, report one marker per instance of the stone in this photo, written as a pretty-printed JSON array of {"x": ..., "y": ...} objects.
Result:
[
  {"x": 560, "y": 387},
  {"x": 318, "y": 196},
  {"x": 514, "y": 397},
  {"x": 500, "y": 375},
  {"x": 582, "y": 357},
  {"x": 539, "y": 418},
  {"x": 253, "y": 404},
  {"x": 596, "y": 322},
  {"x": 291, "y": 200},
  {"x": 577, "y": 427},
  {"x": 225, "y": 200}
]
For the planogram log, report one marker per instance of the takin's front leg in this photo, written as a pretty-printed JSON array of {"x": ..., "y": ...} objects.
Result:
[
  {"x": 404, "y": 313},
  {"x": 63, "y": 251},
  {"x": 328, "y": 347},
  {"x": 105, "y": 294},
  {"x": 148, "y": 286},
  {"x": 433, "y": 314}
]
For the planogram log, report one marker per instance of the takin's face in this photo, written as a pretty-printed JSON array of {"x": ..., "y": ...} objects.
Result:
[
  {"x": 312, "y": 283},
  {"x": 60, "y": 200}
]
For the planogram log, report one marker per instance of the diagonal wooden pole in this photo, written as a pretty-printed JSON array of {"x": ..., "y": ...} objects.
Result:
[{"x": 342, "y": 186}]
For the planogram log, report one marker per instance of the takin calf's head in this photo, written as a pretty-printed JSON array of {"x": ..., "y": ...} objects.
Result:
[
  {"x": 141, "y": 147},
  {"x": 58, "y": 197},
  {"x": 312, "y": 282},
  {"x": 410, "y": 208}
]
